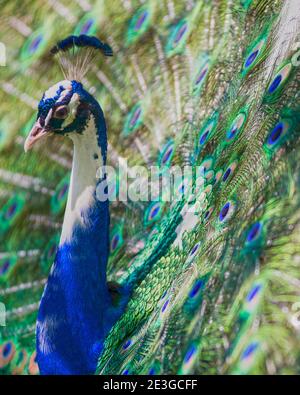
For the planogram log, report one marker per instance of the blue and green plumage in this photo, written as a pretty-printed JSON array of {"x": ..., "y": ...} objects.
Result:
[{"x": 215, "y": 292}]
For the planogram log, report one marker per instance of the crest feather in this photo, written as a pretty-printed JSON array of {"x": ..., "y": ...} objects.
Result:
[{"x": 76, "y": 54}]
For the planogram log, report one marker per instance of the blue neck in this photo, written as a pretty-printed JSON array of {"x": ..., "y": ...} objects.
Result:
[{"x": 76, "y": 312}]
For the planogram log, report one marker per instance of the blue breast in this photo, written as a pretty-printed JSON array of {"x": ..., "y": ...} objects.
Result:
[{"x": 74, "y": 318}]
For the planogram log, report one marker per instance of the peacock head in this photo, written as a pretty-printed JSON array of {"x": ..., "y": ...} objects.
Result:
[{"x": 64, "y": 109}]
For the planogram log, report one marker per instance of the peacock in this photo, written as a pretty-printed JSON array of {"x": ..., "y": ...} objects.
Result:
[{"x": 194, "y": 103}]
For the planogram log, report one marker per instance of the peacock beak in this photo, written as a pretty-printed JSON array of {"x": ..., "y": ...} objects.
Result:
[{"x": 37, "y": 132}]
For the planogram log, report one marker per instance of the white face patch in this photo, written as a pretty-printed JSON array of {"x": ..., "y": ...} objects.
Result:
[
  {"x": 73, "y": 104},
  {"x": 48, "y": 117}
]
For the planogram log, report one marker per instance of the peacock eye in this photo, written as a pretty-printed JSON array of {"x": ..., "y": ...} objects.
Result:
[{"x": 61, "y": 112}]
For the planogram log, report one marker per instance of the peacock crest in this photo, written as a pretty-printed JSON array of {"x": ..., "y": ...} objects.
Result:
[{"x": 76, "y": 55}]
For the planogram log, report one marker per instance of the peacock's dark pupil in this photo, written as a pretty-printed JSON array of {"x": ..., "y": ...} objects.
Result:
[
  {"x": 275, "y": 84},
  {"x": 249, "y": 350},
  {"x": 61, "y": 112},
  {"x": 253, "y": 292},
  {"x": 275, "y": 134},
  {"x": 11, "y": 211},
  {"x": 253, "y": 231},
  {"x": 6, "y": 350},
  {"x": 189, "y": 354},
  {"x": 4, "y": 267},
  {"x": 204, "y": 137},
  {"x": 207, "y": 214},
  {"x": 224, "y": 211},
  {"x": 251, "y": 58},
  {"x": 141, "y": 20},
  {"x": 196, "y": 288},
  {"x": 226, "y": 174}
]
